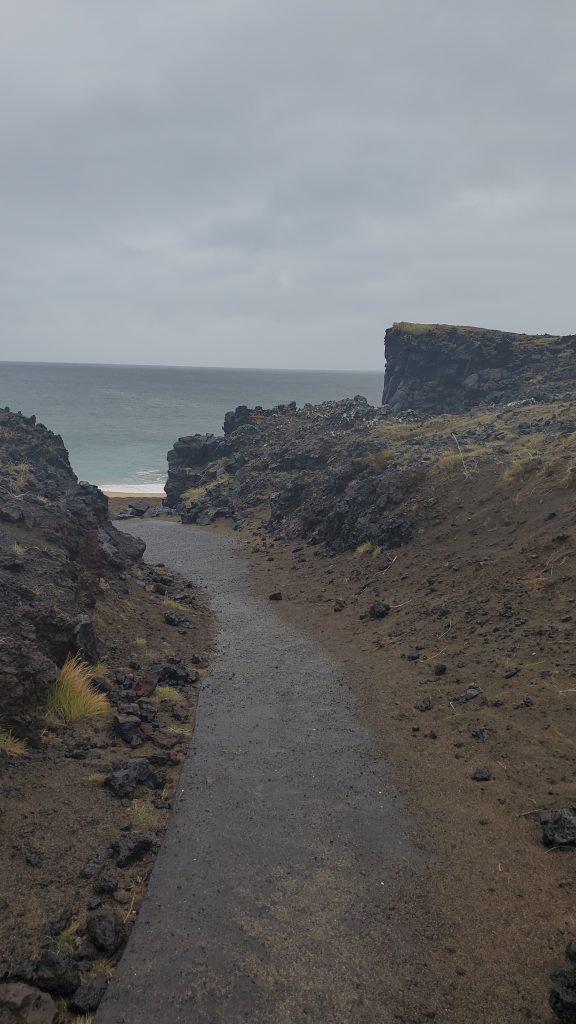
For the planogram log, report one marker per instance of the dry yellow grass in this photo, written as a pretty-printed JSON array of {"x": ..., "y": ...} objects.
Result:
[
  {"x": 175, "y": 605},
  {"x": 367, "y": 548},
  {"x": 167, "y": 693},
  {"x": 72, "y": 697},
  {"x": 10, "y": 745},
  {"x": 193, "y": 493},
  {"x": 381, "y": 460}
]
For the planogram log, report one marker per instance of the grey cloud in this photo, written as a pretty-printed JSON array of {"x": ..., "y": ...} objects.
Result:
[{"x": 248, "y": 183}]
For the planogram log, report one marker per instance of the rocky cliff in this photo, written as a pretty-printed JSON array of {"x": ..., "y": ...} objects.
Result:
[
  {"x": 437, "y": 368},
  {"x": 56, "y": 541}
]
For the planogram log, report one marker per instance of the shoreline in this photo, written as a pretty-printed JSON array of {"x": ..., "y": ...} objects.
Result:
[{"x": 140, "y": 495}]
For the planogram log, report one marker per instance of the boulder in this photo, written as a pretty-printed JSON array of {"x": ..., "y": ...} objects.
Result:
[
  {"x": 559, "y": 827},
  {"x": 88, "y": 997},
  {"x": 136, "y": 772},
  {"x": 52, "y": 972},
  {"x": 106, "y": 930},
  {"x": 563, "y": 996}
]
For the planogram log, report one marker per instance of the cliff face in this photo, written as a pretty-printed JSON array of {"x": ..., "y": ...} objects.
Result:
[
  {"x": 435, "y": 368},
  {"x": 56, "y": 541}
]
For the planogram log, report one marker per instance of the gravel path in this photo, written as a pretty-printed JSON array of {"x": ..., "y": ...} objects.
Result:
[{"x": 274, "y": 896}]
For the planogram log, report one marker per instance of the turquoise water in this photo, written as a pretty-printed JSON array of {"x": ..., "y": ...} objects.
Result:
[{"x": 118, "y": 422}]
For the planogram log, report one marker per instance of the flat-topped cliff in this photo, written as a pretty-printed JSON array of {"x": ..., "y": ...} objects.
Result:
[{"x": 436, "y": 368}]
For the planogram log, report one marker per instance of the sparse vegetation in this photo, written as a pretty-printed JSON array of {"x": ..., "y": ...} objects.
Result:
[
  {"x": 102, "y": 966},
  {"x": 522, "y": 465},
  {"x": 194, "y": 493},
  {"x": 10, "y": 745},
  {"x": 141, "y": 814},
  {"x": 166, "y": 693},
  {"x": 18, "y": 474},
  {"x": 66, "y": 940},
  {"x": 380, "y": 460},
  {"x": 72, "y": 697},
  {"x": 18, "y": 549},
  {"x": 174, "y": 605},
  {"x": 367, "y": 548},
  {"x": 182, "y": 729}
]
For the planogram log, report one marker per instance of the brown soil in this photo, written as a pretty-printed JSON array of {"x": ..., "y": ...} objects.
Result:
[
  {"x": 54, "y": 810},
  {"x": 486, "y": 590}
]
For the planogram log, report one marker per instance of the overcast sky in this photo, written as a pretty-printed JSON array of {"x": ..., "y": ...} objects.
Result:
[{"x": 274, "y": 182}]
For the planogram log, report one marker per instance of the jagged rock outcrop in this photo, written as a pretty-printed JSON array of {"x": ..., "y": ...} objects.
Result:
[
  {"x": 435, "y": 368},
  {"x": 311, "y": 464},
  {"x": 56, "y": 541}
]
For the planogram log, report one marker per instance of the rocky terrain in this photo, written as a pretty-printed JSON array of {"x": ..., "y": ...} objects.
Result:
[
  {"x": 83, "y": 802},
  {"x": 57, "y": 542},
  {"x": 433, "y": 548}
]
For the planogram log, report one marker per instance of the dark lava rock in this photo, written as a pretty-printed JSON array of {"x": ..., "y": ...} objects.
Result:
[
  {"x": 105, "y": 886},
  {"x": 126, "y": 727},
  {"x": 482, "y": 775},
  {"x": 21, "y": 1004},
  {"x": 137, "y": 772},
  {"x": 89, "y": 996},
  {"x": 559, "y": 827},
  {"x": 563, "y": 996},
  {"x": 424, "y": 705},
  {"x": 481, "y": 734},
  {"x": 40, "y": 629},
  {"x": 276, "y": 595},
  {"x": 106, "y": 930},
  {"x": 173, "y": 671},
  {"x": 173, "y": 620},
  {"x": 378, "y": 610},
  {"x": 440, "y": 670},
  {"x": 132, "y": 849},
  {"x": 138, "y": 508},
  {"x": 52, "y": 972},
  {"x": 34, "y": 858},
  {"x": 570, "y": 951}
]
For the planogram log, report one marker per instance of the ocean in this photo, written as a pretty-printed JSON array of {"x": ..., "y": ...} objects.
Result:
[{"x": 118, "y": 422}]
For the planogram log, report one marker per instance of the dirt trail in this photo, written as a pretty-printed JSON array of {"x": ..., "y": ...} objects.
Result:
[{"x": 279, "y": 893}]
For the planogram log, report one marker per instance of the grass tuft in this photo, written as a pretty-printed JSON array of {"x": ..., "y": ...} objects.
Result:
[
  {"x": 12, "y": 746},
  {"x": 175, "y": 605},
  {"x": 381, "y": 460},
  {"x": 72, "y": 696},
  {"x": 141, "y": 814},
  {"x": 105, "y": 967},
  {"x": 367, "y": 548},
  {"x": 167, "y": 693},
  {"x": 66, "y": 940}
]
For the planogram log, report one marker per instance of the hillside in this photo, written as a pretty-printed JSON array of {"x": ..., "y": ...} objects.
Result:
[
  {"x": 435, "y": 552},
  {"x": 90, "y": 752}
]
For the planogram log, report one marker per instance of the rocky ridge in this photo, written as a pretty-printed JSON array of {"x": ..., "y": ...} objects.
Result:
[{"x": 57, "y": 542}]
